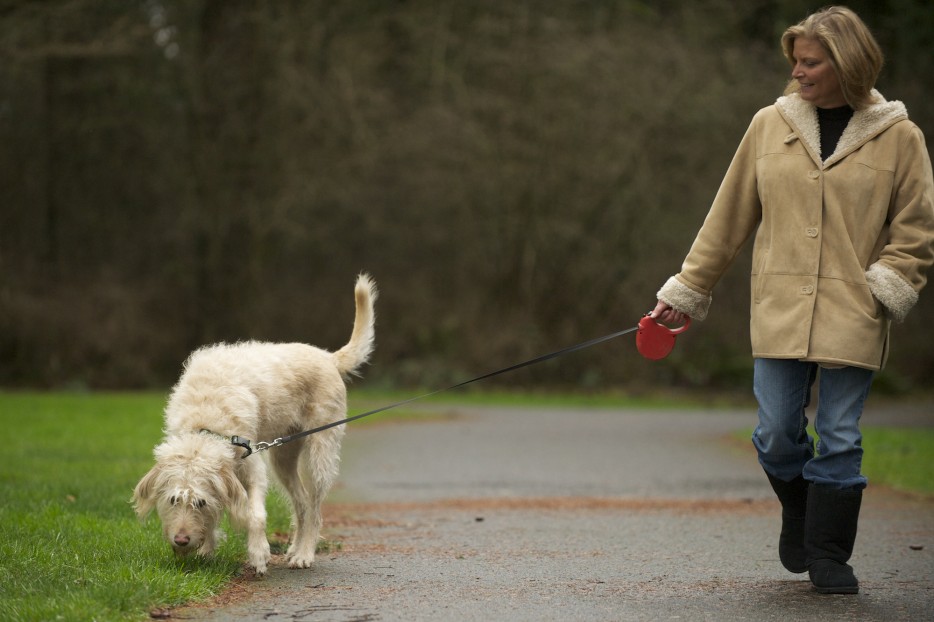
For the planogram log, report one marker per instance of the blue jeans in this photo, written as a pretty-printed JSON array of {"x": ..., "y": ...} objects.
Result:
[{"x": 783, "y": 390}]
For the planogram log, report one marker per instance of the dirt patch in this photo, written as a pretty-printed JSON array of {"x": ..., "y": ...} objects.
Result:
[{"x": 347, "y": 513}]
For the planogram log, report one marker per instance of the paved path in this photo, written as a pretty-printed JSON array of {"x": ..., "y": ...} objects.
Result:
[{"x": 548, "y": 514}]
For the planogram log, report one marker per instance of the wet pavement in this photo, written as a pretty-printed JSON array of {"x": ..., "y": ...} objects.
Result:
[{"x": 578, "y": 514}]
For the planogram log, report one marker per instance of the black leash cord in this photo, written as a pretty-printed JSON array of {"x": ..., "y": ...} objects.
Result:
[{"x": 262, "y": 446}]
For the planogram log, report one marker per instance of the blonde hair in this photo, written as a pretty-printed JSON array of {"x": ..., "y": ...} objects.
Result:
[{"x": 854, "y": 54}]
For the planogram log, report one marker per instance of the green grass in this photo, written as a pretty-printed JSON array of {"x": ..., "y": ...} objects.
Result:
[
  {"x": 71, "y": 547},
  {"x": 362, "y": 399},
  {"x": 900, "y": 458}
]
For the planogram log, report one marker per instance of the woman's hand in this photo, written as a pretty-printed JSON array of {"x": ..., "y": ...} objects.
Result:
[{"x": 665, "y": 314}]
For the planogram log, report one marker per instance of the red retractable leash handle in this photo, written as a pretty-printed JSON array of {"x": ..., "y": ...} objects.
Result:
[{"x": 655, "y": 341}]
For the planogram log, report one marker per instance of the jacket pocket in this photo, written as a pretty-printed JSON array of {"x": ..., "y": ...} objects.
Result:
[
  {"x": 758, "y": 275},
  {"x": 878, "y": 309}
]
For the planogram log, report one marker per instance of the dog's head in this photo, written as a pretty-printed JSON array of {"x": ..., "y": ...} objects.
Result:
[{"x": 190, "y": 486}]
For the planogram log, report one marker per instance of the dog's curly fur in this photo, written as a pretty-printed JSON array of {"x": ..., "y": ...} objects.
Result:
[{"x": 260, "y": 391}]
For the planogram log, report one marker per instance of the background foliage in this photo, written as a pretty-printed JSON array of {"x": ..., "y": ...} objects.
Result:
[{"x": 517, "y": 176}]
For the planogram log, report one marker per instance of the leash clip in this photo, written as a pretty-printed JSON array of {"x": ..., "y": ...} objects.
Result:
[{"x": 263, "y": 445}]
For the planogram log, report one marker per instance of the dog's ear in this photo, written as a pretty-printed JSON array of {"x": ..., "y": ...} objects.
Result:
[
  {"x": 235, "y": 495},
  {"x": 144, "y": 495}
]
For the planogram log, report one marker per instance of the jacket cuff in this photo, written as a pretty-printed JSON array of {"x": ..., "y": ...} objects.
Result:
[
  {"x": 682, "y": 298},
  {"x": 895, "y": 294}
]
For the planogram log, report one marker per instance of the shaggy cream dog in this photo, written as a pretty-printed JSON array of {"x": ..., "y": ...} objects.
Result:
[{"x": 258, "y": 391}]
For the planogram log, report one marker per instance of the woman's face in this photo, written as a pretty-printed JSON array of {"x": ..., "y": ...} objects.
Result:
[{"x": 816, "y": 76}]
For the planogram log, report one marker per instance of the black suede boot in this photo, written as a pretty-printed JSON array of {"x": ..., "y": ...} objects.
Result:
[
  {"x": 794, "y": 498},
  {"x": 830, "y": 532}
]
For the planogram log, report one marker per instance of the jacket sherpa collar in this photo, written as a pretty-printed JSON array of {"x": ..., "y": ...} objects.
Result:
[{"x": 865, "y": 124}]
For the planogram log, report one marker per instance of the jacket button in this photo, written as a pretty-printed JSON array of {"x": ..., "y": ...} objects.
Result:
[
  {"x": 814, "y": 174},
  {"x": 811, "y": 232},
  {"x": 807, "y": 290}
]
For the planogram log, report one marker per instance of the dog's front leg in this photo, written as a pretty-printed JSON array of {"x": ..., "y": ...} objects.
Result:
[
  {"x": 210, "y": 543},
  {"x": 257, "y": 545}
]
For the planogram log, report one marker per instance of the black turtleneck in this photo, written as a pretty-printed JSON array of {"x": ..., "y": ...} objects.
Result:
[{"x": 832, "y": 123}]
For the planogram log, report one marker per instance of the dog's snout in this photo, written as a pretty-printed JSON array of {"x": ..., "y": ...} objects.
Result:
[{"x": 182, "y": 539}]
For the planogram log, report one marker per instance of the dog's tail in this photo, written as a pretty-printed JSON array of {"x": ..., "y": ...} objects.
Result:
[{"x": 358, "y": 349}]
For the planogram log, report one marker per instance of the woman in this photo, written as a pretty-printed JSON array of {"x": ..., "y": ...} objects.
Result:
[{"x": 836, "y": 184}]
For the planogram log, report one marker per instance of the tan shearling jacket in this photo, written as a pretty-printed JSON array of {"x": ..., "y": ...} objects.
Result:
[{"x": 841, "y": 245}]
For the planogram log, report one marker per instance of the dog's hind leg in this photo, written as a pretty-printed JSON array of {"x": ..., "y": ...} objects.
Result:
[{"x": 317, "y": 468}]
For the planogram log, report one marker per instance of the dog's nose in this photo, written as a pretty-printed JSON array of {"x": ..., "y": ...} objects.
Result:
[{"x": 182, "y": 540}]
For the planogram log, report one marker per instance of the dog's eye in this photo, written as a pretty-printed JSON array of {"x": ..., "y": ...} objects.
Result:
[
  {"x": 201, "y": 503},
  {"x": 173, "y": 500}
]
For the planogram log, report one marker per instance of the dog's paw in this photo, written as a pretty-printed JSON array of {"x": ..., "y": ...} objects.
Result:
[
  {"x": 259, "y": 555},
  {"x": 260, "y": 563},
  {"x": 300, "y": 560},
  {"x": 207, "y": 550}
]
